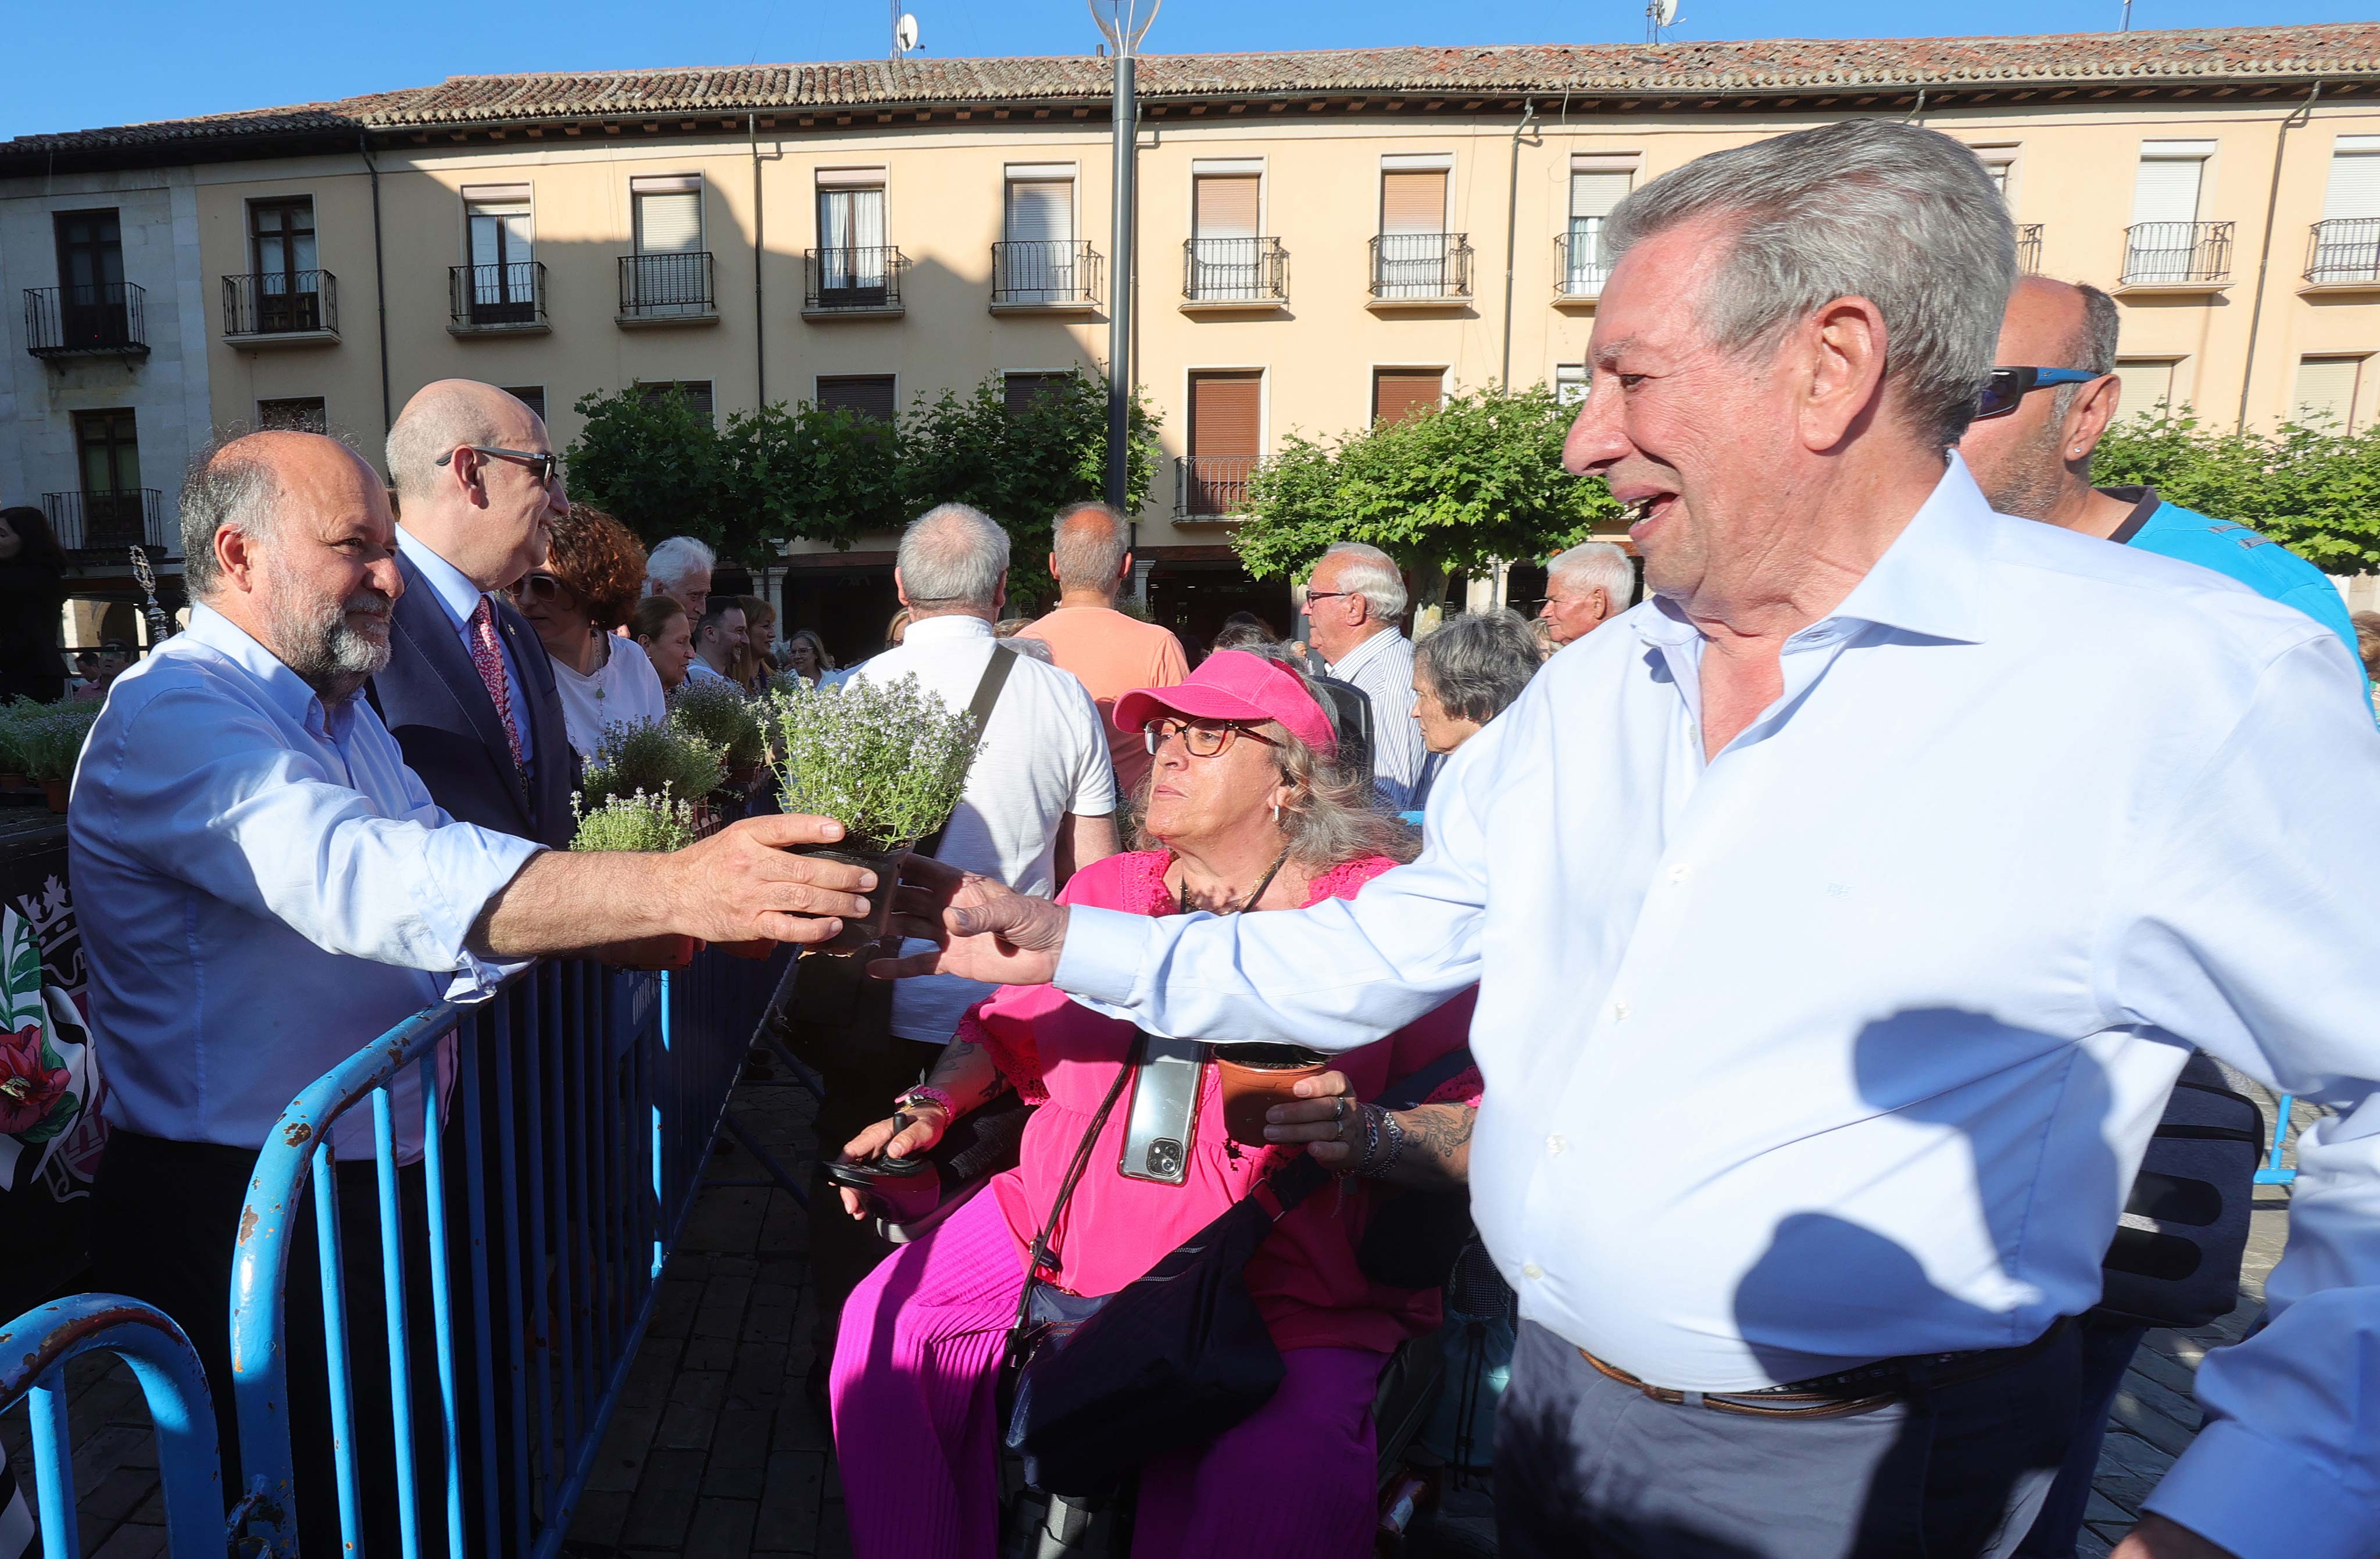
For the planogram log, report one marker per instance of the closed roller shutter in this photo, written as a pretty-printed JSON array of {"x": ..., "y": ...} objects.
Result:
[
  {"x": 2354, "y": 188},
  {"x": 2145, "y": 386},
  {"x": 1020, "y": 389},
  {"x": 2326, "y": 393},
  {"x": 697, "y": 391},
  {"x": 1227, "y": 207},
  {"x": 1223, "y": 414},
  {"x": 1412, "y": 201},
  {"x": 1398, "y": 393},
  {"x": 1594, "y": 194},
  {"x": 669, "y": 220},
  {"x": 529, "y": 395},
  {"x": 869, "y": 395},
  {"x": 1041, "y": 210},
  {"x": 2167, "y": 189}
]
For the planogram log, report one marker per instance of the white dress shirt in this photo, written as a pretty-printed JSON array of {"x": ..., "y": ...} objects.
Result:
[
  {"x": 264, "y": 888},
  {"x": 1045, "y": 754},
  {"x": 1847, "y": 1043},
  {"x": 453, "y": 590},
  {"x": 699, "y": 669},
  {"x": 1382, "y": 667},
  {"x": 625, "y": 690}
]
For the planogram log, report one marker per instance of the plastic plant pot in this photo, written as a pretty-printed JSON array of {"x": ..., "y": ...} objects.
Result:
[
  {"x": 1256, "y": 1077},
  {"x": 858, "y": 935}
]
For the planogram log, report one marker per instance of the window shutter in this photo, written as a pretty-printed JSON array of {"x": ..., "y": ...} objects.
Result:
[
  {"x": 1227, "y": 207},
  {"x": 1041, "y": 210},
  {"x": 1594, "y": 194},
  {"x": 2168, "y": 189},
  {"x": 697, "y": 391},
  {"x": 1018, "y": 389},
  {"x": 298, "y": 415},
  {"x": 1223, "y": 414},
  {"x": 2325, "y": 392},
  {"x": 2354, "y": 186},
  {"x": 1398, "y": 393},
  {"x": 869, "y": 395},
  {"x": 2145, "y": 385},
  {"x": 1412, "y": 201},
  {"x": 669, "y": 222},
  {"x": 529, "y": 395}
]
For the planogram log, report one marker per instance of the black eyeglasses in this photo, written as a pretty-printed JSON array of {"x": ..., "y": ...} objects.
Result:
[
  {"x": 547, "y": 466},
  {"x": 1326, "y": 595},
  {"x": 2007, "y": 387},
  {"x": 1200, "y": 741}
]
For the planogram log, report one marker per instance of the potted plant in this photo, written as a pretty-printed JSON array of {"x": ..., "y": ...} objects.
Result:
[
  {"x": 645, "y": 823},
  {"x": 52, "y": 741},
  {"x": 665, "y": 762},
  {"x": 715, "y": 712},
  {"x": 14, "y": 715},
  {"x": 887, "y": 760}
]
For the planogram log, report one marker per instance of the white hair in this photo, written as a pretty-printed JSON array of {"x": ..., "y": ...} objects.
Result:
[
  {"x": 1368, "y": 571},
  {"x": 1598, "y": 565},
  {"x": 680, "y": 559},
  {"x": 954, "y": 556},
  {"x": 1875, "y": 209}
]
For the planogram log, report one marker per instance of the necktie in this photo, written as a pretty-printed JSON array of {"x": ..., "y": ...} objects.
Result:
[{"x": 489, "y": 657}]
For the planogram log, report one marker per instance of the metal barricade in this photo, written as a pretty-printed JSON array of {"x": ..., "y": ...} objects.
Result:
[
  {"x": 34, "y": 1351},
  {"x": 580, "y": 1105}
]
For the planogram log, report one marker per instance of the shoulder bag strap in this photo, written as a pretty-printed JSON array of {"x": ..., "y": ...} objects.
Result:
[
  {"x": 1039, "y": 1256},
  {"x": 987, "y": 697}
]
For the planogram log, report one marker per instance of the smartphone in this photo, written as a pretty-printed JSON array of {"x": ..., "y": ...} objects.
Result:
[{"x": 1166, "y": 1082}]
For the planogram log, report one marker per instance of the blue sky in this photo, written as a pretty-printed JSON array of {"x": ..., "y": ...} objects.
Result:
[{"x": 76, "y": 66}]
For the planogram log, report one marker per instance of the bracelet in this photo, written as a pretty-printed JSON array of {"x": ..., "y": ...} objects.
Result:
[
  {"x": 929, "y": 1096},
  {"x": 1380, "y": 1123}
]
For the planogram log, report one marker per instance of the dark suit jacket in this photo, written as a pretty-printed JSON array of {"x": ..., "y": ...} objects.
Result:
[{"x": 434, "y": 704}]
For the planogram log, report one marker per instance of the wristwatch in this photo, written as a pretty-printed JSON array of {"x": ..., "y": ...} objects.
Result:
[{"x": 917, "y": 1097}]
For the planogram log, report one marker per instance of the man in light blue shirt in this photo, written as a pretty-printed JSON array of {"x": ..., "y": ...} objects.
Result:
[
  {"x": 1353, "y": 601},
  {"x": 1839, "y": 940}
]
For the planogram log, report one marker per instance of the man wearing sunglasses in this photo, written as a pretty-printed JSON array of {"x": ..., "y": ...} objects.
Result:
[{"x": 469, "y": 691}]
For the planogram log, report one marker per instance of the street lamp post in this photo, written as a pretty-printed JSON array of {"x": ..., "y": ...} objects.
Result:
[{"x": 1124, "y": 24}]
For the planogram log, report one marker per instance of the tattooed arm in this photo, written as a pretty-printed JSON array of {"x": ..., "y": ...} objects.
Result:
[{"x": 1437, "y": 1137}]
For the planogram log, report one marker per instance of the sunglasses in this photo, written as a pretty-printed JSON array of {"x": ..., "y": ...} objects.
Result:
[
  {"x": 542, "y": 588},
  {"x": 548, "y": 466},
  {"x": 2007, "y": 387},
  {"x": 1198, "y": 741}
]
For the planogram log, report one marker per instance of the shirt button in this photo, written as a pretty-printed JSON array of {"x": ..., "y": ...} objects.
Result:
[
  {"x": 1678, "y": 873},
  {"x": 1618, "y": 1011},
  {"x": 1555, "y": 1143},
  {"x": 1532, "y": 1271}
]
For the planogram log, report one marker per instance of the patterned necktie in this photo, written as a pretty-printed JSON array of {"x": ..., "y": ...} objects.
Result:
[{"x": 489, "y": 657}]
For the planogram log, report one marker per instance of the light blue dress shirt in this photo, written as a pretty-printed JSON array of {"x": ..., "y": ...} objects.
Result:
[
  {"x": 1847, "y": 1043},
  {"x": 453, "y": 590},
  {"x": 1382, "y": 667},
  {"x": 264, "y": 887}
]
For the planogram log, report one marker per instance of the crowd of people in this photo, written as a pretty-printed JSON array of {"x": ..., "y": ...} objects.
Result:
[{"x": 1798, "y": 958}]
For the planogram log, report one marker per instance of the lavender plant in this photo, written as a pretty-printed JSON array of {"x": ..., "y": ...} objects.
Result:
[
  {"x": 50, "y": 743},
  {"x": 716, "y": 712},
  {"x": 887, "y": 760},
  {"x": 633, "y": 822},
  {"x": 672, "y": 763}
]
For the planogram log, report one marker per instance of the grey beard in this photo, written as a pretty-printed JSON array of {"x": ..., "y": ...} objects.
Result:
[
  {"x": 328, "y": 656},
  {"x": 2033, "y": 482}
]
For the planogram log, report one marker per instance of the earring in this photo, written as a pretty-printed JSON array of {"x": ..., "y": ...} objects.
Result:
[{"x": 1276, "y": 814}]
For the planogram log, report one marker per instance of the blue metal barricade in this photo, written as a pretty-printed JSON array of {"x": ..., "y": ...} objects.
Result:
[
  {"x": 579, "y": 1105},
  {"x": 2274, "y": 1172},
  {"x": 34, "y": 1351}
]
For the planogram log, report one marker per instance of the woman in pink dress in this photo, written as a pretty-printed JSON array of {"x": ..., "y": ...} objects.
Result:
[{"x": 1247, "y": 810}]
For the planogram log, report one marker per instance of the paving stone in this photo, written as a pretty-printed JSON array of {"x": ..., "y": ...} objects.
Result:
[
  {"x": 663, "y": 1508},
  {"x": 739, "y": 1454},
  {"x": 2131, "y": 1453},
  {"x": 130, "y": 1542},
  {"x": 710, "y": 1353},
  {"x": 115, "y": 1496},
  {"x": 674, "y": 1310},
  {"x": 2123, "y": 1489},
  {"x": 693, "y": 1412},
  {"x": 723, "y": 1529},
  {"x": 596, "y": 1525},
  {"x": 792, "y": 1494},
  {"x": 625, "y": 1444}
]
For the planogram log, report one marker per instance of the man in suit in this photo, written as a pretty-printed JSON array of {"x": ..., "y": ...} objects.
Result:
[{"x": 469, "y": 692}]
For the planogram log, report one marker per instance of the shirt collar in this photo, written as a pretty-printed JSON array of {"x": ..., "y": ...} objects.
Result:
[
  {"x": 450, "y": 585},
  {"x": 954, "y": 625},
  {"x": 284, "y": 688},
  {"x": 1377, "y": 644}
]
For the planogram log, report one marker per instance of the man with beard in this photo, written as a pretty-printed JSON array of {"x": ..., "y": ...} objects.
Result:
[{"x": 266, "y": 886}]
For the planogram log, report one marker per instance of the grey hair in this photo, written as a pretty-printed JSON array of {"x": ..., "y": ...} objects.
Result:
[
  {"x": 953, "y": 556},
  {"x": 1089, "y": 543},
  {"x": 220, "y": 492},
  {"x": 1868, "y": 207},
  {"x": 1373, "y": 574},
  {"x": 431, "y": 426},
  {"x": 1599, "y": 565},
  {"x": 1478, "y": 662},
  {"x": 679, "y": 559}
]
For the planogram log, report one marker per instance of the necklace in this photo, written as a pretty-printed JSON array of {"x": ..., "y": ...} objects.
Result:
[{"x": 1249, "y": 902}]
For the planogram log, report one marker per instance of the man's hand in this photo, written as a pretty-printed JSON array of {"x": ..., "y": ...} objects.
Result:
[
  {"x": 742, "y": 883},
  {"x": 984, "y": 930},
  {"x": 2157, "y": 1537}
]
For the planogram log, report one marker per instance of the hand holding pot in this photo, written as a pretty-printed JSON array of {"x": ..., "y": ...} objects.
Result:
[
  {"x": 986, "y": 930},
  {"x": 1322, "y": 1118},
  {"x": 742, "y": 882},
  {"x": 906, "y": 1135}
]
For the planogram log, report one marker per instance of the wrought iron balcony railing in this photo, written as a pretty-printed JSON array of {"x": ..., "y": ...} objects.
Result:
[
  {"x": 102, "y": 319},
  {"x": 281, "y": 302},
  {"x": 105, "y": 524},
  {"x": 2177, "y": 253},
  {"x": 2028, "y": 248},
  {"x": 667, "y": 286},
  {"x": 1049, "y": 272},
  {"x": 1579, "y": 270},
  {"x": 1421, "y": 267},
  {"x": 867, "y": 278},
  {"x": 2343, "y": 251},
  {"x": 1234, "y": 270},
  {"x": 1212, "y": 484},
  {"x": 497, "y": 297}
]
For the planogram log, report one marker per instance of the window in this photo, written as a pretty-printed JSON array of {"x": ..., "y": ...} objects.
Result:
[
  {"x": 869, "y": 395},
  {"x": 529, "y": 395},
  {"x": 1038, "y": 259},
  {"x": 1571, "y": 383},
  {"x": 1999, "y": 166},
  {"x": 1226, "y": 207},
  {"x": 498, "y": 248},
  {"x": 288, "y": 274},
  {"x": 1020, "y": 389},
  {"x": 853, "y": 256},
  {"x": 90, "y": 278},
  {"x": 2326, "y": 393},
  {"x": 1398, "y": 393},
  {"x": 671, "y": 271},
  {"x": 107, "y": 455},
  {"x": 2346, "y": 239},
  {"x": 2164, "y": 235},
  {"x": 303, "y": 414},
  {"x": 1226, "y": 414},
  {"x": 697, "y": 391},
  {"x": 1413, "y": 248},
  {"x": 2147, "y": 383},
  {"x": 1597, "y": 183}
]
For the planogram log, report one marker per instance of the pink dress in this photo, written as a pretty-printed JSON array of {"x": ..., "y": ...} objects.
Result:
[{"x": 921, "y": 1337}]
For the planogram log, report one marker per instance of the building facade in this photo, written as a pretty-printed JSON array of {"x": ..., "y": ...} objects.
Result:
[{"x": 1324, "y": 239}]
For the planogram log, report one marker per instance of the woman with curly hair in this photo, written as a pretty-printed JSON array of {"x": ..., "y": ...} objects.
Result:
[{"x": 594, "y": 570}]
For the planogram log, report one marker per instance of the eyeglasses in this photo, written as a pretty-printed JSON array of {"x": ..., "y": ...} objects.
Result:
[
  {"x": 1200, "y": 741},
  {"x": 538, "y": 587},
  {"x": 1326, "y": 595},
  {"x": 2007, "y": 387},
  {"x": 548, "y": 466}
]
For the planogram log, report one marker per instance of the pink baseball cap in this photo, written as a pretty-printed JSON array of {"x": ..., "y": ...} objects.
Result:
[{"x": 1232, "y": 685}]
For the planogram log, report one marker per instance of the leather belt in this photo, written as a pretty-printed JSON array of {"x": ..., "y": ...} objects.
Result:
[{"x": 1847, "y": 1392}]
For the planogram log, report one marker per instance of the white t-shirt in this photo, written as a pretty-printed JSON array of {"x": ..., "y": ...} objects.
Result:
[
  {"x": 624, "y": 688},
  {"x": 1044, "y": 756}
]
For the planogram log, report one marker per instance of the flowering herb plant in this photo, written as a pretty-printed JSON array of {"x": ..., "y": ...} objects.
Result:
[
  {"x": 51, "y": 741},
  {"x": 715, "y": 712},
  {"x": 633, "y": 822},
  {"x": 16, "y": 716},
  {"x": 887, "y": 760},
  {"x": 667, "y": 762}
]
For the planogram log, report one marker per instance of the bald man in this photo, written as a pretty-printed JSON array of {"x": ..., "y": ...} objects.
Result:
[
  {"x": 1090, "y": 557},
  {"x": 469, "y": 691}
]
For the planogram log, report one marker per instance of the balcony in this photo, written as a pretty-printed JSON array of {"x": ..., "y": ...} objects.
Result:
[
  {"x": 2028, "y": 248},
  {"x": 1045, "y": 276},
  {"x": 106, "y": 527},
  {"x": 1232, "y": 274},
  {"x": 1420, "y": 271},
  {"x": 497, "y": 300},
  {"x": 102, "y": 321},
  {"x": 852, "y": 284},
  {"x": 1212, "y": 485},
  {"x": 1579, "y": 270},
  {"x": 2177, "y": 256},
  {"x": 2343, "y": 255},
  {"x": 667, "y": 289},
  {"x": 281, "y": 308}
]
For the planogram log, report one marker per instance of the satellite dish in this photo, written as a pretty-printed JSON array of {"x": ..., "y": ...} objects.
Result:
[
  {"x": 905, "y": 34},
  {"x": 1665, "y": 12}
]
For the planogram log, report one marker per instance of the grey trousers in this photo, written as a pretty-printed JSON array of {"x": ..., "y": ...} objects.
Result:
[{"x": 1588, "y": 1467}]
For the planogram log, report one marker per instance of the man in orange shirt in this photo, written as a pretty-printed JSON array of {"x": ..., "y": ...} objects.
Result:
[{"x": 1111, "y": 653}]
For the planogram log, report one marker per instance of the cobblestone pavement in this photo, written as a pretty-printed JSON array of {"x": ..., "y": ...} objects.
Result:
[{"x": 713, "y": 1454}]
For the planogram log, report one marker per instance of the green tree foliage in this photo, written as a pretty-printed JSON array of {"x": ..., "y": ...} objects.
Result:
[
  {"x": 821, "y": 473},
  {"x": 655, "y": 463},
  {"x": 1452, "y": 490},
  {"x": 2312, "y": 488}
]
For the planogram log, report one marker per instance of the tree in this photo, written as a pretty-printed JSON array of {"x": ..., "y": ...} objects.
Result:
[
  {"x": 655, "y": 463},
  {"x": 2312, "y": 488},
  {"x": 1450, "y": 491},
  {"x": 822, "y": 473}
]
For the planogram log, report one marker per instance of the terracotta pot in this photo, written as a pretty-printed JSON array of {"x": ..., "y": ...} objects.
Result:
[
  {"x": 1256, "y": 1077},
  {"x": 856, "y": 935},
  {"x": 757, "y": 950},
  {"x": 651, "y": 953},
  {"x": 12, "y": 780},
  {"x": 56, "y": 790}
]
